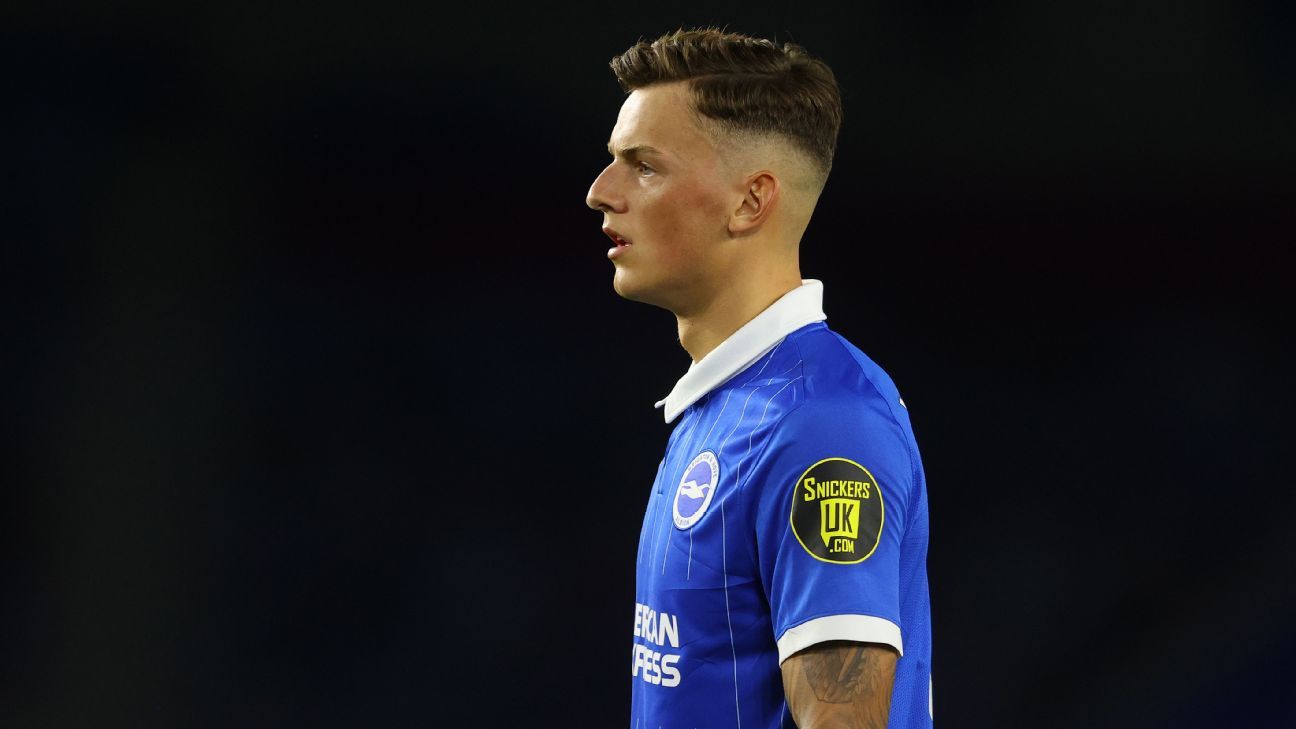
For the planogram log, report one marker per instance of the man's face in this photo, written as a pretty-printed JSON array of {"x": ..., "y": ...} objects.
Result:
[{"x": 670, "y": 200}]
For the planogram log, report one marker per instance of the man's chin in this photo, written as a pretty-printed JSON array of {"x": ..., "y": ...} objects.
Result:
[
  {"x": 623, "y": 285},
  {"x": 628, "y": 288}
]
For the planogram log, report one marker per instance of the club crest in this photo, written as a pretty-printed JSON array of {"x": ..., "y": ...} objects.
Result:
[{"x": 693, "y": 495}]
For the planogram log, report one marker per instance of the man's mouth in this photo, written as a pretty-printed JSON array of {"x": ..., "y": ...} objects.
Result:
[{"x": 616, "y": 237}]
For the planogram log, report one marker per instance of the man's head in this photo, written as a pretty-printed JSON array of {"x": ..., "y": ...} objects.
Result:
[{"x": 720, "y": 152}]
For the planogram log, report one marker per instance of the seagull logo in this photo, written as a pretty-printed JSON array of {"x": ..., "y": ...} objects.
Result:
[
  {"x": 691, "y": 490},
  {"x": 696, "y": 489}
]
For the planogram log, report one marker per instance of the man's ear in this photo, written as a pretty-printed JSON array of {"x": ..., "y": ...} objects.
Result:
[{"x": 760, "y": 196}]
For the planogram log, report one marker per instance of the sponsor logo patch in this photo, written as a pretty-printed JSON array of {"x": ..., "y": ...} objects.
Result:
[
  {"x": 693, "y": 495},
  {"x": 837, "y": 511}
]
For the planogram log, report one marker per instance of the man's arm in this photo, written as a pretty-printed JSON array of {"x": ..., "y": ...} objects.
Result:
[{"x": 840, "y": 684}]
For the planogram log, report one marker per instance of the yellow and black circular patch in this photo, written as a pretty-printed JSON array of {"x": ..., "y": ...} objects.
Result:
[{"x": 837, "y": 511}]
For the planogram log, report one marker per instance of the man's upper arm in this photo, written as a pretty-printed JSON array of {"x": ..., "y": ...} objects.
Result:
[
  {"x": 840, "y": 684},
  {"x": 832, "y": 494}
]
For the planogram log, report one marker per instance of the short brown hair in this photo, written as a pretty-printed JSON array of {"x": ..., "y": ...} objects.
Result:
[{"x": 746, "y": 84}]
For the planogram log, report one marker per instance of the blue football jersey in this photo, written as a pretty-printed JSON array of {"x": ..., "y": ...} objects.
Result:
[{"x": 790, "y": 509}]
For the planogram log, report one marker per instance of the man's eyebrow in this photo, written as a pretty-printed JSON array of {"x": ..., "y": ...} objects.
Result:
[{"x": 632, "y": 151}]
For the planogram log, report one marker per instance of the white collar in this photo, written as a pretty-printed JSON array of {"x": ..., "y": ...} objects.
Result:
[{"x": 801, "y": 306}]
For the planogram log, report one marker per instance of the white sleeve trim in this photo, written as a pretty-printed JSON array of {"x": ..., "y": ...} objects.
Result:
[{"x": 863, "y": 628}]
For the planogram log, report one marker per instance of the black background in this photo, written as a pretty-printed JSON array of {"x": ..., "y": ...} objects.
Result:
[{"x": 310, "y": 340}]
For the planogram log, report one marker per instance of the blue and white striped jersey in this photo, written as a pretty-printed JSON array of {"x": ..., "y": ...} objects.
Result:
[{"x": 790, "y": 509}]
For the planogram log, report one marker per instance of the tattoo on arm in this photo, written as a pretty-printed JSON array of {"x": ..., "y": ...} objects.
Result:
[{"x": 840, "y": 683}]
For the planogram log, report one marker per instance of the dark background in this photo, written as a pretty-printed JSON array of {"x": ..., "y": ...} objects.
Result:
[{"x": 309, "y": 335}]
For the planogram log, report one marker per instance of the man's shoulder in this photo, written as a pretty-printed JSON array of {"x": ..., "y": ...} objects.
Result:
[
  {"x": 849, "y": 412},
  {"x": 839, "y": 374}
]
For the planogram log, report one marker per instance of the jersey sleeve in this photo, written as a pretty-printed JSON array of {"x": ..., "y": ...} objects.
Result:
[{"x": 832, "y": 491}]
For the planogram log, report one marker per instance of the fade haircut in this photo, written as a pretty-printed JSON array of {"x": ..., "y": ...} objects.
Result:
[{"x": 746, "y": 86}]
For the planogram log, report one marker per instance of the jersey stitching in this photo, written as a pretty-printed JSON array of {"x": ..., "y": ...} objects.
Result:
[
  {"x": 773, "y": 351},
  {"x": 773, "y": 427},
  {"x": 765, "y": 412},
  {"x": 760, "y": 456}
]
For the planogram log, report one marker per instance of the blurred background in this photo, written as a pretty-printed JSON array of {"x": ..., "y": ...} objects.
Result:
[{"x": 308, "y": 332}]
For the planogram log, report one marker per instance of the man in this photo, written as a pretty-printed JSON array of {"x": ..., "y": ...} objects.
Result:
[{"x": 782, "y": 562}]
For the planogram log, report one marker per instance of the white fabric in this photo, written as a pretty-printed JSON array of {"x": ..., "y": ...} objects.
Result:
[
  {"x": 862, "y": 628},
  {"x": 795, "y": 309}
]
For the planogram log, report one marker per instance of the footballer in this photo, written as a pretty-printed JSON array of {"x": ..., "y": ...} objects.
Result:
[{"x": 781, "y": 572}]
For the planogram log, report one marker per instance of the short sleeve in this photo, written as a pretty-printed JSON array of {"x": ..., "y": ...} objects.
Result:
[{"x": 832, "y": 490}]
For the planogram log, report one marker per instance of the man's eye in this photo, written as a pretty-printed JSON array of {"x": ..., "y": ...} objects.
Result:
[{"x": 641, "y": 167}]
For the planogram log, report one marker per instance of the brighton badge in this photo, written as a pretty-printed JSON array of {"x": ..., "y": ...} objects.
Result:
[{"x": 695, "y": 490}]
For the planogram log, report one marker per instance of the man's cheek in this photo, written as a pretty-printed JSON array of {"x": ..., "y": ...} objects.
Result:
[{"x": 687, "y": 241}]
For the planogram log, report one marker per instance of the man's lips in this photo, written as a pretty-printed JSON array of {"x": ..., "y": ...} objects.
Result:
[
  {"x": 616, "y": 237},
  {"x": 621, "y": 242}
]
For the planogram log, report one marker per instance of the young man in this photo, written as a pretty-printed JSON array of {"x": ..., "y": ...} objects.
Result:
[{"x": 782, "y": 563}]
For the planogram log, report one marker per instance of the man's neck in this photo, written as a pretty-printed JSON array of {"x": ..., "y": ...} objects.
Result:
[{"x": 729, "y": 309}]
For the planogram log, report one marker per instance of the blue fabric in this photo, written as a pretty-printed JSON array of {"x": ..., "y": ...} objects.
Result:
[{"x": 722, "y": 572}]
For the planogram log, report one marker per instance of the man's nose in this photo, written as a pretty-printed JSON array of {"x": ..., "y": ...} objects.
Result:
[{"x": 601, "y": 196}]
